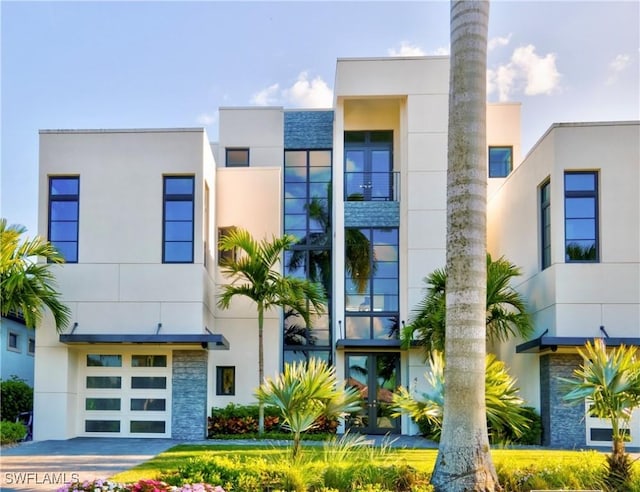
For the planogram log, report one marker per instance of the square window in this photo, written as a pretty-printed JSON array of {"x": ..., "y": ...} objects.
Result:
[
  {"x": 237, "y": 157},
  {"x": 225, "y": 380},
  {"x": 500, "y": 161}
]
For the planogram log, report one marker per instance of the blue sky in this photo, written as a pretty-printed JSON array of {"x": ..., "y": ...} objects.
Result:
[{"x": 172, "y": 64}]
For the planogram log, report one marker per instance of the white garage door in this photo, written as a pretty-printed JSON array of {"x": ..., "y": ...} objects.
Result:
[{"x": 126, "y": 394}]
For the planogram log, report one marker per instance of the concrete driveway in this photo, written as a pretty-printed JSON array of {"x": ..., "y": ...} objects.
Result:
[{"x": 47, "y": 465}]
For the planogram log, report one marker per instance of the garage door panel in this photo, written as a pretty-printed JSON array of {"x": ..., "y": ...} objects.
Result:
[{"x": 126, "y": 394}]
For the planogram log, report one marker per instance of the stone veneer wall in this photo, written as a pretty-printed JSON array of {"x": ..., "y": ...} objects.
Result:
[
  {"x": 371, "y": 214},
  {"x": 189, "y": 395},
  {"x": 563, "y": 425}
]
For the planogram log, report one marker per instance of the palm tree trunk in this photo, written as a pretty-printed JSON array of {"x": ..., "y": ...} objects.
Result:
[
  {"x": 260, "y": 365},
  {"x": 464, "y": 461}
]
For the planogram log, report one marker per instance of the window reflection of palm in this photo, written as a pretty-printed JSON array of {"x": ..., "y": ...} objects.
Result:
[{"x": 227, "y": 382}]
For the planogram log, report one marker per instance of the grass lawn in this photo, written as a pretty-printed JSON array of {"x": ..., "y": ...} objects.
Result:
[{"x": 421, "y": 459}]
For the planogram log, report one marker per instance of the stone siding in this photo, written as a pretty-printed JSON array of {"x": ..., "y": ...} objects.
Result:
[
  {"x": 189, "y": 395},
  {"x": 563, "y": 425},
  {"x": 308, "y": 130},
  {"x": 372, "y": 214}
]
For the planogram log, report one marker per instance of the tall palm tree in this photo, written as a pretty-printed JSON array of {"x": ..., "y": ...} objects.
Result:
[
  {"x": 506, "y": 310},
  {"x": 254, "y": 275},
  {"x": 609, "y": 381},
  {"x": 27, "y": 286},
  {"x": 464, "y": 461}
]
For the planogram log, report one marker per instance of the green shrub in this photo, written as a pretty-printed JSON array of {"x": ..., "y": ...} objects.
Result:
[
  {"x": 11, "y": 432},
  {"x": 16, "y": 396},
  {"x": 234, "y": 420},
  {"x": 588, "y": 472}
]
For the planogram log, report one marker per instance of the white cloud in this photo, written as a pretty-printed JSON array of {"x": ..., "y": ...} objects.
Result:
[
  {"x": 406, "y": 49},
  {"x": 266, "y": 97},
  {"x": 616, "y": 67},
  {"x": 305, "y": 93},
  {"x": 499, "y": 41},
  {"x": 442, "y": 51},
  {"x": 206, "y": 119},
  {"x": 527, "y": 72}
]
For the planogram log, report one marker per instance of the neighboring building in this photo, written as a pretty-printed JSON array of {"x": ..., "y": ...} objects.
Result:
[
  {"x": 17, "y": 346},
  {"x": 362, "y": 187},
  {"x": 569, "y": 216}
]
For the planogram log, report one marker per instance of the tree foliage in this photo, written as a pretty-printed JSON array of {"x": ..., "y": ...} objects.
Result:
[
  {"x": 304, "y": 392},
  {"x": 507, "y": 314},
  {"x": 505, "y": 413},
  {"x": 254, "y": 274},
  {"x": 28, "y": 287},
  {"x": 609, "y": 381}
]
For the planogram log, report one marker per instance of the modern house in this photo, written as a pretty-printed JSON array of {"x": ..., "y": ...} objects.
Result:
[{"x": 362, "y": 187}]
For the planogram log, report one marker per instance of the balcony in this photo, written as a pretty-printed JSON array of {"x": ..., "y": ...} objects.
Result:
[{"x": 372, "y": 186}]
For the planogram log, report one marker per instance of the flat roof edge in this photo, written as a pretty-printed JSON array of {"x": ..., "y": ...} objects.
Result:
[{"x": 123, "y": 130}]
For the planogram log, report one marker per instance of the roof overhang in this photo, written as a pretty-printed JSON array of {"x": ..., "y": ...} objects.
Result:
[
  {"x": 208, "y": 341},
  {"x": 367, "y": 344},
  {"x": 544, "y": 343}
]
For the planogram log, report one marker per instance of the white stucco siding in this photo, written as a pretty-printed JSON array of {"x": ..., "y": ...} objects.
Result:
[
  {"x": 428, "y": 152},
  {"x": 385, "y": 76},
  {"x": 260, "y": 129},
  {"x": 112, "y": 165}
]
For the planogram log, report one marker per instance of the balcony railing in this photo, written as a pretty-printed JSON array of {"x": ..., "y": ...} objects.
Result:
[{"x": 367, "y": 187}]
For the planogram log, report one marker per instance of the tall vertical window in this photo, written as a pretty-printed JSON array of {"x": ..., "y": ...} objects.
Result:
[
  {"x": 307, "y": 217},
  {"x": 178, "y": 219},
  {"x": 581, "y": 216},
  {"x": 500, "y": 161},
  {"x": 64, "y": 196},
  {"x": 545, "y": 224},
  {"x": 371, "y": 283},
  {"x": 368, "y": 166}
]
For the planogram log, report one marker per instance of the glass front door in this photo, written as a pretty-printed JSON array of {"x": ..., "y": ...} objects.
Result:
[{"x": 376, "y": 376}]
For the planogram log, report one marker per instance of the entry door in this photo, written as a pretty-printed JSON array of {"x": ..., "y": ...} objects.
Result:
[{"x": 376, "y": 376}]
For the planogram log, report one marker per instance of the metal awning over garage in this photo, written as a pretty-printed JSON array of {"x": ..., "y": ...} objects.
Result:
[
  {"x": 544, "y": 343},
  {"x": 208, "y": 341}
]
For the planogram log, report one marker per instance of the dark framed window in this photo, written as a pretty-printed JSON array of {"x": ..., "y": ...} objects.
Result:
[
  {"x": 31, "y": 346},
  {"x": 64, "y": 204},
  {"x": 13, "y": 341},
  {"x": 102, "y": 426},
  {"x": 225, "y": 380},
  {"x": 372, "y": 293},
  {"x": 500, "y": 161},
  {"x": 99, "y": 404},
  {"x": 237, "y": 157},
  {"x": 148, "y": 361},
  {"x": 368, "y": 166},
  {"x": 545, "y": 225},
  {"x": 102, "y": 360},
  {"x": 581, "y": 216},
  {"x": 307, "y": 217},
  {"x": 177, "y": 228},
  {"x": 147, "y": 426},
  {"x": 148, "y": 404},
  {"x": 104, "y": 382},
  {"x": 229, "y": 255},
  {"x": 148, "y": 382}
]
